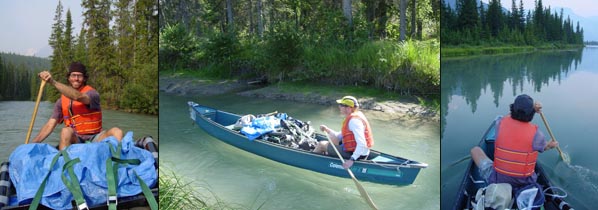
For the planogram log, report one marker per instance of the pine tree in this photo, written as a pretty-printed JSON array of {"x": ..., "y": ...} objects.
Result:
[
  {"x": 522, "y": 19},
  {"x": 58, "y": 66},
  {"x": 468, "y": 15},
  {"x": 81, "y": 47},
  {"x": 495, "y": 17},
  {"x": 67, "y": 42}
]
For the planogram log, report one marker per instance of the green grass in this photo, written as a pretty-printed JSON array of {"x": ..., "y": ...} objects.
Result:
[
  {"x": 191, "y": 73},
  {"x": 177, "y": 193},
  {"x": 480, "y": 50},
  {"x": 432, "y": 101},
  {"x": 466, "y": 50}
]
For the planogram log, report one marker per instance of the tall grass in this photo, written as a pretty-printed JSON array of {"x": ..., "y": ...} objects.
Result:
[
  {"x": 410, "y": 67},
  {"x": 176, "y": 194}
]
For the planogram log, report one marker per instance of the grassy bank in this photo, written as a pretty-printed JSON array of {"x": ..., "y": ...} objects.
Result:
[
  {"x": 431, "y": 101},
  {"x": 409, "y": 67},
  {"x": 467, "y": 50}
]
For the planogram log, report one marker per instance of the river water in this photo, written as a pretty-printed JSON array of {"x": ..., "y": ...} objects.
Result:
[
  {"x": 249, "y": 181},
  {"x": 16, "y": 115},
  {"x": 476, "y": 90}
]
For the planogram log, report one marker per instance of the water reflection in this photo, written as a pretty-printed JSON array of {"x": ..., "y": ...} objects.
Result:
[
  {"x": 469, "y": 78},
  {"x": 475, "y": 90}
]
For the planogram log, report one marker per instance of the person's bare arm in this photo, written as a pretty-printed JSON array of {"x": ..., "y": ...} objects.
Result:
[
  {"x": 66, "y": 90},
  {"x": 45, "y": 131}
]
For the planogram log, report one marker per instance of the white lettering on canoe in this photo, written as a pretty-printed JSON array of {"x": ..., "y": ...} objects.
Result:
[{"x": 334, "y": 165}]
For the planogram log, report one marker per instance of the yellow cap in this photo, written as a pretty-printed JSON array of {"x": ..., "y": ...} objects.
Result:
[{"x": 349, "y": 101}]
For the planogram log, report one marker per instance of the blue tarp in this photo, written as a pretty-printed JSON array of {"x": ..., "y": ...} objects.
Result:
[
  {"x": 30, "y": 163},
  {"x": 260, "y": 126}
]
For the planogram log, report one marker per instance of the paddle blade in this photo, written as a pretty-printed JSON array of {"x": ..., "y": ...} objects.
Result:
[
  {"x": 364, "y": 194},
  {"x": 564, "y": 156}
]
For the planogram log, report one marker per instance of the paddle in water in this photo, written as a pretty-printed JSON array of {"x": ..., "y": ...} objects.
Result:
[
  {"x": 362, "y": 191},
  {"x": 564, "y": 156}
]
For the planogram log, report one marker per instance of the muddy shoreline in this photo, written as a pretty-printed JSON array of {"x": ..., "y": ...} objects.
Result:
[{"x": 392, "y": 110}]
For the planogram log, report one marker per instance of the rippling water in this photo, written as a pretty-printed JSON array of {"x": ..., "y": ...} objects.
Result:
[{"x": 16, "y": 116}]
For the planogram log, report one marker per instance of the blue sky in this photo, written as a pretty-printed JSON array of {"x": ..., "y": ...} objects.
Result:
[{"x": 26, "y": 25}]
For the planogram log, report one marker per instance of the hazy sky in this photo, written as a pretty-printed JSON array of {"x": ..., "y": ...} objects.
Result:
[
  {"x": 26, "y": 25},
  {"x": 584, "y": 8}
]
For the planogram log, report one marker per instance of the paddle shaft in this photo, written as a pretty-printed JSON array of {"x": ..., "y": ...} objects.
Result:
[
  {"x": 39, "y": 97},
  {"x": 362, "y": 191},
  {"x": 551, "y": 135}
]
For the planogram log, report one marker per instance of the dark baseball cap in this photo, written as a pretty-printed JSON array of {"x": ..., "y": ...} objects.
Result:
[{"x": 523, "y": 103}]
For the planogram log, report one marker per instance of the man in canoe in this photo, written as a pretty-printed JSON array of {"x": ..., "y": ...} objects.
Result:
[
  {"x": 355, "y": 138},
  {"x": 518, "y": 142},
  {"x": 78, "y": 107}
]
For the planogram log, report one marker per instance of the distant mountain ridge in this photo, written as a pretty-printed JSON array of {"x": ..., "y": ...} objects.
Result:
[{"x": 35, "y": 64}]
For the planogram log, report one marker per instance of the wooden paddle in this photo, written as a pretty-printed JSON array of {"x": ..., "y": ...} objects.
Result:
[
  {"x": 362, "y": 191},
  {"x": 39, "y": 97},
  {"x": 552, "y": 136}
]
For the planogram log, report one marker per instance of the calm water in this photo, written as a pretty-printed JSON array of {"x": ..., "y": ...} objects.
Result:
[
  {"x": 246, "y": 180},
  {"x": 16, "y": 115},
  {"x": 476, "y": 90}
]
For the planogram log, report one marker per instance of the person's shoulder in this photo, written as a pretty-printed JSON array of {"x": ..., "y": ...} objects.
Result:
[{"x": 93, "y": 93}]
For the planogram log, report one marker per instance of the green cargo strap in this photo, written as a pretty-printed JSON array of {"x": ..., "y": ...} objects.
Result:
[
  {"x": 149, "y": 196},
  {"x": 112, "y": 176},
  {"x": 73, "y": 185},
  {"x": 40, "y": 190}
]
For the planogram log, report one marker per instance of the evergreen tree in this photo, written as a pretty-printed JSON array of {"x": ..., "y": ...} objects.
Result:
[
  {"x": 81, "y": 47},
  {"x": 68, "y": 40},
  {"x": 514, "y": 19},
  {"x": 58, "y": 65},
  {"x": 522, "y": 18},
  {"x": 495, "y": 22},
  {"x": 468, "y": 15}
]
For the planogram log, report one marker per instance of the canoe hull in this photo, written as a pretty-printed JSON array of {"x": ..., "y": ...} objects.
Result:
[
  {"x": 469, "y": 188},
  {"x": 212, "y": 120}
]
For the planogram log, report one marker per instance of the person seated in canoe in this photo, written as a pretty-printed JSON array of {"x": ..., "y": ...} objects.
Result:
[
  {"x": 78, "y": 107},
  {"x": 355, "y": 138},
  {"x": 517, "y": 143}
]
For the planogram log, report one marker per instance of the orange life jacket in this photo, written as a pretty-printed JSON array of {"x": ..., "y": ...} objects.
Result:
[
  {"x": 79, "y": 117},
  {"x": 349, "y": 142},
  {"x": 513, "y": 151}
]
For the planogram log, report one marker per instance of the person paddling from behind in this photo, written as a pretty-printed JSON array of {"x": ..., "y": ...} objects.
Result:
[
  {"x": 79, "y": 108},
  {"x": 355, "y": 139},
  {"x": 517, "y": 144}
]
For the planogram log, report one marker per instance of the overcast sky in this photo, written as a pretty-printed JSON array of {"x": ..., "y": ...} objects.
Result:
[
  {"x": 584, "y": 8},
  {"x": 26, "y": 25}
]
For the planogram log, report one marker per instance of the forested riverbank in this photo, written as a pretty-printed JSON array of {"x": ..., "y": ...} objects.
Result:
[
  {"x": 118, "y": 42},
  {"x": 339, "y": 43},
  {"x": 470, "y": 29}
]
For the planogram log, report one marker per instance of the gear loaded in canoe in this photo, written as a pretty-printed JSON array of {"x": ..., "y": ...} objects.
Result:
[
  {"x": 94, "y": 192},
  {"x": 292, "y": 143},
  {"x": 472, "y": 181}
]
